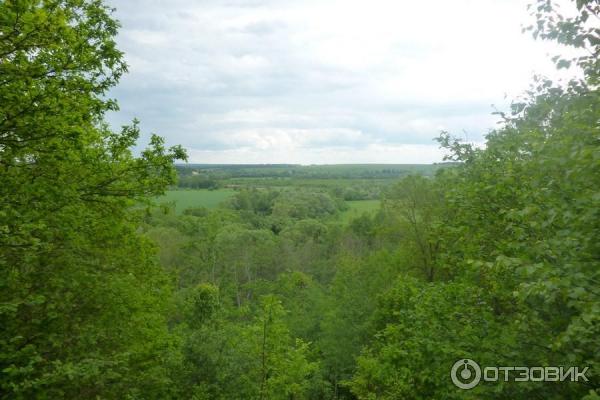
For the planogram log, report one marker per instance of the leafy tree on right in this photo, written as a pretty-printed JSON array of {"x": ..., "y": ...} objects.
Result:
[{"x": 518, "y": 237}]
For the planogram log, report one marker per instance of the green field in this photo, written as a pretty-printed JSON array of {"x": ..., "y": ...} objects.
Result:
[
  {"x": 358, "y": 207},
  {"x": 185, "y": 199}
]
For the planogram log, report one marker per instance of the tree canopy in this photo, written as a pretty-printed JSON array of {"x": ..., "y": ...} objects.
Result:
[{"x": 75, "y": 277}]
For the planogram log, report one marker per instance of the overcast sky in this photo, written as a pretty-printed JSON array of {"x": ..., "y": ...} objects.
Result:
[{"x": 323, "y": 81}]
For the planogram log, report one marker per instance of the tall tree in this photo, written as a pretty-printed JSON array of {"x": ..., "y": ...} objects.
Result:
[
  {"x": 81, "y": 297},
  {"x": 519, "y": 240}
]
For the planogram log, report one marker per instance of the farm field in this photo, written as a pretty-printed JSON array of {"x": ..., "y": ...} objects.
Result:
[{"x": 184, "y": 199}]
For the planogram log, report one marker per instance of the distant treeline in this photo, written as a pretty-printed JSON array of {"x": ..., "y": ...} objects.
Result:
[
  {"x": 206, "y": 176},
  {"x": 345, "y": 182}
]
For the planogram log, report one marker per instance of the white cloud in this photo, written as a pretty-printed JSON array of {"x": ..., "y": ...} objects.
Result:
[
  {"x": 392, "y": 154},
  {"x": 344, "y": 80}
]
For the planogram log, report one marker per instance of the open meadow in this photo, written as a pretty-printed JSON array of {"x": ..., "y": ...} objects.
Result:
[{"x": 194, "y": 198}]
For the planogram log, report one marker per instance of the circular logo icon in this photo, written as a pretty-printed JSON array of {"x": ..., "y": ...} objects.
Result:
[{"x": 465, "y": 374}]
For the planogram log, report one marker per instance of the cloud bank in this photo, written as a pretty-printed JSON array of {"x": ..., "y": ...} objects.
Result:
[{"x": 328, "y": 81}]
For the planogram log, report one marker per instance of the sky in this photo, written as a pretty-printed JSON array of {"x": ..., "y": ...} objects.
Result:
[{"x": 322, "y": 81}]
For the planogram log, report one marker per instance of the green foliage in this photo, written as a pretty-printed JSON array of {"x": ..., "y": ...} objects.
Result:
[
  {"x": 516, "y": 236},
  {"x": 417, "y": 202},
  {"x": 302, "y": 205},
  {"x": 346, "y": 325},
  {"x": 283, "y": 292},
  {"x": 577, "y": 31},
  {"x": 256, "y": 360},
  {"x": 203, "y": 304},
  {"x": 423, "y": 329},
  {"x": 83, "y": 300}
]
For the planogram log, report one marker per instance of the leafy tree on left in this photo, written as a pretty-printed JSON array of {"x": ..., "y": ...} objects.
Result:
[{"x": 81, "y": 297}]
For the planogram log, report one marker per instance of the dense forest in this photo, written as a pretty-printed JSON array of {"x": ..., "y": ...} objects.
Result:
[{"x": 107, "y": 294}]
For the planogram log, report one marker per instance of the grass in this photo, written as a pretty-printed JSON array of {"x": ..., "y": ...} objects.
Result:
[
  {"x": 185, "y": 199},
  {"x": 358, "y": 207}
]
